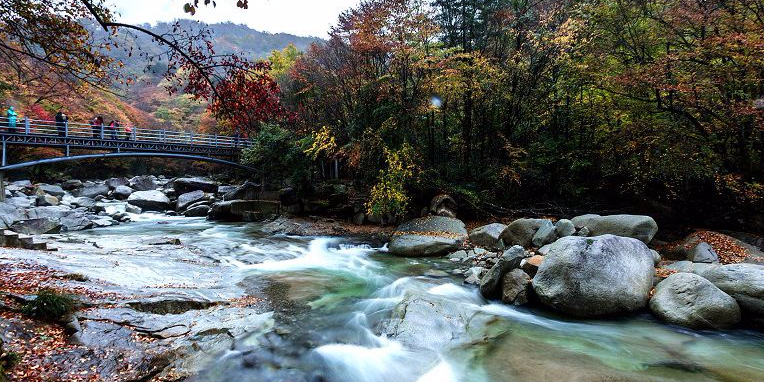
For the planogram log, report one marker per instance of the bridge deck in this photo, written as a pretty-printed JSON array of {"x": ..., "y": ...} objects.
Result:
[{"x": 42, "y": 133}]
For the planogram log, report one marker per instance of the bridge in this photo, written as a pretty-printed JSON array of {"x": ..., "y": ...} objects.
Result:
[
  {"x": 128, "y": 141},
  {"x": 117, "y": 142}
]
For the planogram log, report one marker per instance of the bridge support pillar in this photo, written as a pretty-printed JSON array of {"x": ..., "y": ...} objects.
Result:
[
  {"x": 2, "y": 186},
  {"x": 66, "y": 153},
  {"x": 4, "y": 154}
]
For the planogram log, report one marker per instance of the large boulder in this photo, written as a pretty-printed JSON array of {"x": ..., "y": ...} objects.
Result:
[
  {"x": 431, "y": 322},
  {"x": 488, "y": 235},
  {"x": 595, "y": 276},
  {"x": 744, "y": 282},
  {"x": 10, "y": 214},
  {"x": 93, "y": 190},
  {"x": 564, "y": 227},
  {"x": 689, "y": 300},
  {"x": 75, "y": 222},
  {"x": 71, "y": 184},
  {"x": 143, "y": 183},
  {"x": 237, "y": 210},
  {"x": 520, "y": 232},
  {"x": 247, "y": 191},
  {"x": 150, "y": 200},
  {"x": 197, "y": 211},
  {"x": 122, "y": 192},
  {"x": 639, "y": 227},
  {"x": 186, "y": 185},
  {"x": 428, "y": 236},
  {"x": 46, "y": 200},
  {"x": 188, "y": 199},
  {"x": 37, "y": 226}
]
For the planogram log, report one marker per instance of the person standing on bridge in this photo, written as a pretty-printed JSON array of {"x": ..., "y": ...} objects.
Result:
[
  {"x": 129, "y": 133},
  {"x": 97, "y": 127},
  {"x": 113, "y": 126},
  {"x": 12, "y": 117},
  {"x": 61, "y": 120}
]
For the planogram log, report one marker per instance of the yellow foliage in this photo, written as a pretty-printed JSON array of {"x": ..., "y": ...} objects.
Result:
[
  {"x": 388, "y": 196},
  {"x": 323, "y": 142}
]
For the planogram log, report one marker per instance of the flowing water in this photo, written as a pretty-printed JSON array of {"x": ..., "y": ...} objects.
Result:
[{"x": 330, "y": 298}]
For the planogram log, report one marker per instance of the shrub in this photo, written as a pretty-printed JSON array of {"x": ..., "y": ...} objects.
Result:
[{"x": 49, "y": 305}]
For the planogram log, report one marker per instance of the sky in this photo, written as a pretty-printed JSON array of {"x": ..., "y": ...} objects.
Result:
[{"x": 299, "y": 17}]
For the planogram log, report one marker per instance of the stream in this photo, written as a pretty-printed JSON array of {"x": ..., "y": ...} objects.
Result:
[{"x": 330, "y": 299}]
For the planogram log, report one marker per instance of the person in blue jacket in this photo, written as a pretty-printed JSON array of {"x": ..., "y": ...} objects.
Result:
[{"x": 12, "y": 117}]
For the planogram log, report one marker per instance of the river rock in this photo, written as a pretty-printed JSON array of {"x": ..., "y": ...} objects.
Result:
[
  {"x": 436, "y": 323},
  {"x": 520, "y": 232},
  {"x": 474, "y": 275},
  {"x": 595, "y": 276},
  {"x": 43, "y": 189},
  {"x": 198, "y": 211},
  {"x": 94, "y": 190},
  {"x": 46, "y": 200},
  {"x": 703, "y": 253},
  {"x": 122, "y": 192},
  {"x": 639, "y": 227},
  {"x": 37, "y": 226},
  {"x": 75, "y": 222},
  {"x": 21, "y": 201},
  {"x": 564, "y": 227},
  {"x": 546, "y": 234},
  {"x": 247, "y": 191},
  {"x": 113, "y": 183},
  {"x": 150, "y": 200},
  {"x": 71, "y": 184},
  {"x": 428, "y": 236},
  {"x": 189, "y": 198},
  {"x": 143, "y": 183},
  {"x": 488, "y": 235},
  {"x": 235, "y": 210},
  {"x": 515, "y": 287},
  {"x": 53, "y": 212},
  {"x": 10, "y": 214},
  {"x": 744, "y": 282},
  {"x": 187, "y": 185},
  {"x": 531, "y": 265},
  {"x": 510, "y": 259},
  {"x": 689, "y": 300}
]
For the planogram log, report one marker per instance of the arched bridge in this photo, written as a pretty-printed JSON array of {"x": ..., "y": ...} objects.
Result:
[{"x": 117, "y": 142}]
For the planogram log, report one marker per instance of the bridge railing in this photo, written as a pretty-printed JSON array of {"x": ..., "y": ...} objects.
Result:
[{"x": 130, "y": 133}]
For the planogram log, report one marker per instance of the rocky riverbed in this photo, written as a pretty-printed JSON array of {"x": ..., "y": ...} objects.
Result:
[{"x": 166, "y": 297}]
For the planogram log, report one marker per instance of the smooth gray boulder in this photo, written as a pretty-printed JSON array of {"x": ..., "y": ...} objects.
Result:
[
  {"x": 520, "y": 232},
  {"x": 428, "y": 236},
  {"x": 53, "y": 212},
  {"x": 93, "y": 190},
  {"x": 430, "y": 322},
  {"x": 150, "y": 200},
  {"x": 703, "y": 253},
  {"x": 488, "y": 235},
  {"x": 49, "y": 189},
  {"x": 247, "y": 191},
  {"x": 122, "y": 192},
  {"x": 690, "y": 300},
  {"x": 515, "y": 287},
  {"x": 564, "y": 227},
  {"x": 143, "y": 183},
  {"x": 198, "y": 211},
  {"x": 37, "y": 226},
  {"x": 744, "y": 282},
  {"x": 186, "y": 185},
  {"x": 189, "y": 198},
  {"x": 546, "y": 234},
  {"x": 509, "y": 260},
  {"x": 592, "y": 276},
  {"x": 83, "y": 202},
  {"x": 639, "y": 227}
]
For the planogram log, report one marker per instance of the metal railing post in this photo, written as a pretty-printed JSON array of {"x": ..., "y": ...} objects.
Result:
[
  {"x": 162, "y": 136},
  {"x": 4, "y": 149},
  {"x": 26, "y": 125},
  {"x": 216, "y": 140},
  {"x": 66, "y": 128},
  {"x": 101, "y": 135}
]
